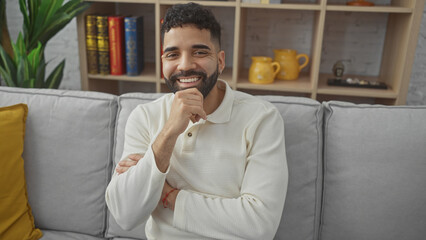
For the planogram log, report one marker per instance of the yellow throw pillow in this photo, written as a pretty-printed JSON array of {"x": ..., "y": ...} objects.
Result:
[{"x": 16, "y": 219}]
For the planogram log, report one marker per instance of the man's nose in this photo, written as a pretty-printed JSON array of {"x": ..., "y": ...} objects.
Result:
[{"x": 186, "y": 63}]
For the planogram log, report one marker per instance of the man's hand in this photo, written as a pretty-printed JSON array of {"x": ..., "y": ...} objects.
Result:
[
  {"x": 168, "y": 196},
  {"x": 187, "y": 105},
  {"x": 128, "y": 162}
]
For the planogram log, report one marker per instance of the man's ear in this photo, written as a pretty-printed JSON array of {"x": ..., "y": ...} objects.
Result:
[{"x": 221, "y": 60}]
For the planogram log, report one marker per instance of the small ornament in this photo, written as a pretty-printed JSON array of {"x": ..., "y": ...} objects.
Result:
[{"x": 338, "y": 69}]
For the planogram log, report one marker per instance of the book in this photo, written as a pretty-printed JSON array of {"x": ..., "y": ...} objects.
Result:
[
  {"x": 116, "y": 45},
  {"x": 103, "y": 44},
  {"x": 134, "y": 45},
  {"x": 91, "y": 45}
]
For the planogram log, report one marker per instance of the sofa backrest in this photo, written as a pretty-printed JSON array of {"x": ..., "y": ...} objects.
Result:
[
  {"x": 374, "y": 184},
  {"x": 67, "y": 156},
  {"x": 303, "y": 136},
  {"x": 374, "y": 172}
]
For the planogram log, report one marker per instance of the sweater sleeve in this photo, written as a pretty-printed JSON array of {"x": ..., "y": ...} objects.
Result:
[
  {"x": 256, "y": 213},
  {"x": 132, "y": 196}
]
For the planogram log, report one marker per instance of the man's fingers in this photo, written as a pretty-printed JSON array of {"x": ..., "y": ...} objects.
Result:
[
  {"x": 130, "y": 161},
  {"x": 135, "y": 157},
  {"x": 121, "y": 170},
  {"x": 127, "y": 163}
]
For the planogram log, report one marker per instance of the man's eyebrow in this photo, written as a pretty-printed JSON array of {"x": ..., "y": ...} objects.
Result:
[
  {"x": 201, "y": 46},
  {"x": 170, "y": 49},
  {"x": 195, "y": 46}
]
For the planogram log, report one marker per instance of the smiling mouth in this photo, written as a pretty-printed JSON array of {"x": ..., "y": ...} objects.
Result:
[{"x": 189, "y": 80}]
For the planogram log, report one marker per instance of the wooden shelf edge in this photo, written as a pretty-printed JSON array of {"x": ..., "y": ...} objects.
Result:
[
  {"x": 358, "y": 92},
  {"x": 204, "y": 3},
  {"x": 276, "y": 86},
  {"x": 287, "y": 6},
  {"x": 139, "y": 78},
  {"x": 377, "y": 9}
]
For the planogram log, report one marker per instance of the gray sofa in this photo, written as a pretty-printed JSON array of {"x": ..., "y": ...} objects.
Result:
[{"x": 356, "y": 171}]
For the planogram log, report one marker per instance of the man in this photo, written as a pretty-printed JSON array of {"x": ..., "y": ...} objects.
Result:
[{"x": 205, "y": 162}]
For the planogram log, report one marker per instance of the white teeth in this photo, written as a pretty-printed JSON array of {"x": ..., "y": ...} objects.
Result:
[{"x": 188, "y": 80}]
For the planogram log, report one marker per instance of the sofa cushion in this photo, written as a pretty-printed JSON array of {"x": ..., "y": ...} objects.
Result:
[
  {"x": 16, "y": 219},
  {"x": 374, "y": 172},
  {"x": 303, "y": 133},
  {"x": 68, "y": 155}
]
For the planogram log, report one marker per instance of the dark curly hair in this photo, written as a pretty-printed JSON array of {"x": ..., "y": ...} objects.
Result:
[{"x": 191, "y": 13}]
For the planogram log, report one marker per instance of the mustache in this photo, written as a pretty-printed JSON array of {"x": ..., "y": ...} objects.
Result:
[{"x": 188, "y": 73}]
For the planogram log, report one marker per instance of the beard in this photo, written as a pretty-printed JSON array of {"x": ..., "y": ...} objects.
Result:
[{"x": 205, "y": 86}]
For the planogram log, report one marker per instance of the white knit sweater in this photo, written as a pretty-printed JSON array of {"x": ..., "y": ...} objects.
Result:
[{"x": 231, "y": 169}]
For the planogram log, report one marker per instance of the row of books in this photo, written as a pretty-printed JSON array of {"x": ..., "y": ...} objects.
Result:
[{"x": 114, "y": 45}]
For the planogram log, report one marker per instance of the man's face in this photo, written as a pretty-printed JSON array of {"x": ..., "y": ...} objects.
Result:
[{"x": 191, "y": 59}]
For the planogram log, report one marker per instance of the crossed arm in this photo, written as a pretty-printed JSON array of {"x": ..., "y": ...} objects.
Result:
[{"x": 168, "y": 195}]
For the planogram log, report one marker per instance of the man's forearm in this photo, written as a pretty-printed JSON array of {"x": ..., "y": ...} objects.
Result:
[{"x": 163, "y": 147}]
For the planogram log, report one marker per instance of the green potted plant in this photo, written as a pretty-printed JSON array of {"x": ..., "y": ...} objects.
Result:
[{"x": 22, "y": 64}]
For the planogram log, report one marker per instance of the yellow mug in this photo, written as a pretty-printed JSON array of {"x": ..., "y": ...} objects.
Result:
[
  {"x": 289, "y": 62},
  {"x": 263, "y": 70}
]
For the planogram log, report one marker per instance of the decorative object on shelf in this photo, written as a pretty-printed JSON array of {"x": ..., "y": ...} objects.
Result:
[
  {"x": 134, "y": 45},
  {"x": 360, "y": 3},
  {"x": 263, "y": 70},
  {"x": 92, "y": 45},
  {"x": 355, "y": 82},
  {"x": 42, "y": 20},
  {"x": 338, "y": 80},
  {"x": 289, "y": 63},
  {"x": 117, "y": 55},
  {"x": 103, "y": 44},
  {"x": 338, "y": 69}
]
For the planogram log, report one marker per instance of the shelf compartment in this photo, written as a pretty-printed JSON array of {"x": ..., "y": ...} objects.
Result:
[
  {"x": 267, "y": 29},
  {"x": 360, "y": 56}
]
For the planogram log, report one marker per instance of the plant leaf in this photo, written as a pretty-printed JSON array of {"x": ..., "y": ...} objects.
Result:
[
  {"x": 44, "y": 18},
  {"x": 59, "y": 19},
  {"x": 20, "y": 72},
  {"x": 33, "y": 7},
  {"x": 40, "y": 73},
  {"x": 34, "y": 57},
  {"x": 9, "y": 68},
  {"x": 57, "y": 24},
  {"x": 7, "y": 78},
  {"x": 55, "y": 77},
  {"x": 54, "y": 9},
  {"x": 24, "y": 11}
]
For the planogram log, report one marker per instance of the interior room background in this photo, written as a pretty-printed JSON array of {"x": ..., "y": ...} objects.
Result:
[{"x": 65, "y": 45}]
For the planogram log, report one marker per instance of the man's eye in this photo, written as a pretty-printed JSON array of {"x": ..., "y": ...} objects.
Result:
[
  {"x": 170, "y": 55},
  {"x": 200, "y": 53}
]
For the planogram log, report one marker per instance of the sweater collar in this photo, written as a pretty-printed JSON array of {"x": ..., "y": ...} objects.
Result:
[{"x": 223, "y": 113}]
